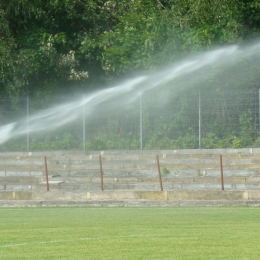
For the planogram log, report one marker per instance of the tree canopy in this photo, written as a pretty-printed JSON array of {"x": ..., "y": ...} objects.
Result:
[{"x": 67, "y": 45}]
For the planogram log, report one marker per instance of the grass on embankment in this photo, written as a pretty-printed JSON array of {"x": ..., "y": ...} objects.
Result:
[{"x": 130, "y": 233}]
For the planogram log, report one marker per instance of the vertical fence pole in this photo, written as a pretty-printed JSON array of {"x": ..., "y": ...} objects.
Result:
[
  {"x": 259, "y": 111},
  {"x": 84, "y": 126},
  {"x": 141, "y": 124},
  {"x": 101, "y": 173},
  {"x": 27, "y": 124},
  {"x": 221, "y": 172},
  {"x": 46, "y": 173},
  {"x": 159, "y": 172},
  {"x": 199, "y": 121}
]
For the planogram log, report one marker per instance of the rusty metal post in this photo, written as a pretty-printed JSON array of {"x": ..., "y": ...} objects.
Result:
[
  {"x": 46, "y": 173},
  {"x": 159, "y": 172},
  {"x": 221, "y": 172},
  {"x": 101, "y": 173}
]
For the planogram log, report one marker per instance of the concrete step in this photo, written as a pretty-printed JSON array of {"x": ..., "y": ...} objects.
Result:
[
  {"x": 236, "y": 162},
  {"x": 132, "y": 167},
  {"x": 155, "y": 179},
  {"x": 136, "y": 182},
  {"x": 58, "y": 185},
  {"x": 18, "y": 171},
  {"x": 230, "y": 197},
  {"x": 127, "y": 203},
  {"x": 134, "y": 160},
  {"x": 129, "y": 179}
]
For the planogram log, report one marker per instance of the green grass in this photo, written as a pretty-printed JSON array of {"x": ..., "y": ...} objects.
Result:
[{"x": 130, "y": 233}]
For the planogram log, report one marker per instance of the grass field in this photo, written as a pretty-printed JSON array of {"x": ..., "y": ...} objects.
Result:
[{"x": 130, "y": 233}]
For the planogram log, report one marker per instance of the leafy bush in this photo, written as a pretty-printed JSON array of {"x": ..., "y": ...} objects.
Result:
[
  {"x": 64, "y": 142},
  {"x": 112, "y": 141}
]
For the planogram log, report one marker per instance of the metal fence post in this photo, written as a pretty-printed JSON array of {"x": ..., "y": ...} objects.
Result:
[
  {"x": 259, "y": 111},
  {"x": 159, "y": 172},
  {"x": 101, "y": 173},
  {"x": 27, "y": 124},
  {"x": 84, "y": 125},
  {"x": 199, "y": 121},
  {"x": 141, "y": 124},
  {"x": 221, "y": 172},
  {"x": 46, "y": 173}
]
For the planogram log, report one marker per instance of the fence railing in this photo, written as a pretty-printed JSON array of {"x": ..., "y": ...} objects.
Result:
[{"x": 195, "y": 119}]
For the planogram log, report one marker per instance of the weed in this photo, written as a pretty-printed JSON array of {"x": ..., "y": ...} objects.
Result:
[
  {"x": 199, "y": 173},
  {"x": 165, "y": 171}
]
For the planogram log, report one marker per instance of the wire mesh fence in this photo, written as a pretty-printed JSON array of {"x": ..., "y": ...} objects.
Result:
[{"x": 194, "y": 119}]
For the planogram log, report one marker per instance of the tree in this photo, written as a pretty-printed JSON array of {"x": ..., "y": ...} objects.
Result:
[
  {"x": 7, "y": 45},
  {"x": 48, "y": 35},
  {"x": 49, "y": 46},
  {"x": 153, "y": 34}
]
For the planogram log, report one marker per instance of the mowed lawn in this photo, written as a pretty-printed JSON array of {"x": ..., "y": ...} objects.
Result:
[{"x": 130, "y": 233}]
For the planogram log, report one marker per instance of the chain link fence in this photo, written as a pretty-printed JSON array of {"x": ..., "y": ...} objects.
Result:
[{"x": 194, "y": 119}]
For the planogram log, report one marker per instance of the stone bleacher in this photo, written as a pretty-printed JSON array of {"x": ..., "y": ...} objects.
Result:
[{"x": 131, "y": 177}]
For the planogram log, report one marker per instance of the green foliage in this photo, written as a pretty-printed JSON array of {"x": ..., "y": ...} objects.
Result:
[
  {"x": 66, "y": 46},
  {"x": 211, "y": 22},
  {"x": 186, "y": 142},
  {"x": 165, "y": 171},
  {"x": 51, "y": 45},
  {"x": 155, "y": 36},
  {"x": 112, "y": 141},
  {"x": 125, "y": 46},
  {"x": 64, "y": 142},
  {"x": 59, "y": 142},
  {"x": 210, "y": 141}
]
